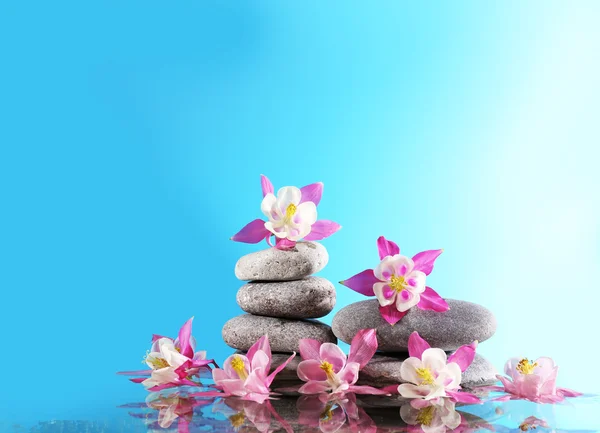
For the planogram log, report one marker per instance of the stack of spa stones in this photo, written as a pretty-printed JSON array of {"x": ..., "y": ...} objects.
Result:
[
  {"x": 462, "y": 324},
  {"x": 282, "y": 299}
]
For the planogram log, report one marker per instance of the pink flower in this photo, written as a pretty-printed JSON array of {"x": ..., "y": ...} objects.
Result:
[
  {"x": 172, "y": 362},
  {"x": 174, "y": 407},
  {"x": 325, "y": 368},
  {"x": 248, "y": 376},
  {"x": 244, "y": 414},
  {"x": 291, "y": 216},
  {"x": 431, "y": 375},
  {"x": 330, "y": 415},
  {"x": 534, "y": 381},
  {"x": 435, "y": 417},
  {"x": 398, "y": 282}
]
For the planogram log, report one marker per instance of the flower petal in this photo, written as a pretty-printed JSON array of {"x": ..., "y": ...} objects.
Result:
[
  {"x": 409, "y": 390},
  {"x": 314, "y": 387},
  {"x": 386, "y": 248},
  {"x": 363, "y": 347},
  {"x": 391, "y": 314},
  {"x": 322, "y": 229},
  {"x": 266, "y": 185},
  {"x": 430, "y": 300},
  {"x": 424, "y": 260},
  {"x": 406, "y": 299},
  {"x": 464, "y": 356},
  {"x": 434, "y": 359},
  {"x": 366, "y": 390},
  {"x": 312, "y": 192},
  {"x": 417, "y": 345},
  {"x": 311, "y": 370},
  {"x": 185, "y": 334},
  {"x": 384, "y": 294},
  {"x": 309, "y": 349},
  {"x": 408, "y": 370},
  {"x": 275, "y": 372},
  {"x": 463, "y": 397},
  {"x": 349, "y": 374},
  {"x": 261, "y": 344},
  {"x": 362, "y": 283},
  {"x": 286, "y": 196},
  {"x": 568, "y": 392},
  {"x": 284, "y": 244},
  {"x": 252, "y": 233},
  {"x": 334, "y": 355}
]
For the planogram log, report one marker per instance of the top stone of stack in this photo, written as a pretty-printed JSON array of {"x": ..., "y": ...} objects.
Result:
[{"x": 301, "y": 261}]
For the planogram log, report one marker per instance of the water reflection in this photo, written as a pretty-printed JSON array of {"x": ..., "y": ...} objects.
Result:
[{"x": 183, "y": 412}]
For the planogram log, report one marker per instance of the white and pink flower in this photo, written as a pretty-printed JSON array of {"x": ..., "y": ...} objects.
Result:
[
  {"x": 431, "y": 375},
  {"x": 326, "y": 369},
  {"x": 291, "y": 216},
  {"x": 532, "y": 380},
  {"x": 399, "y": 282},
  {"x": 247, "y": 376}
]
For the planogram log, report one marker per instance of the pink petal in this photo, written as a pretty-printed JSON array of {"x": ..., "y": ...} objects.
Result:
[
  {"x": 267, "y": 186},
  {"x": 349, "y": 374},
  {"x": 138, "y": 379},
  {"x": 309, "y": 349},
  {"x": 419, "y": 403},
  {"x": 430, "y": 300},
  {"x": 333, "y": 354},
  {"x": 156, "y": 337},
  {"x": 135, "y": 373},
  {"x": 322, "y": 229},
  {"x": 256, "y": 383},
  {"x": 313, "y": 387},
  {"x": 364, "y": 389},
  {"x": 425, "y": 259},
  {"x": 464, "y": 355},
  {"x": 312, "y": 192},
  {"x": 509, "y": 387},
  {"x": 274, "y": 373},
  {"x": 386, "y": 248},
  {"x": 284, "y": 244},
  {"x": 184, "y": 339},
  {"x": 568, "y": 392},
  {"x": 463, "y": 397},
  {"x": 310, "y": 370},
  {"x": 362, "y": 283},
  {"x": 363, "y": 347},
  {"x": 252, "y": 233},
  {"x": 261, "y": 344},
  {"x": 417, "y": 345},
  {"x": 390, "y": 314}
]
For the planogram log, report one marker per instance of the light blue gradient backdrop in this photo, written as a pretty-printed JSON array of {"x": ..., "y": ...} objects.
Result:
[{"x": 133, "y": 136}]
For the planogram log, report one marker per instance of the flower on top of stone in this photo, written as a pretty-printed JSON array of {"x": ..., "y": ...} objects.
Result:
[
  {"x": 398, "y": 282},
  {"x": 291, "y": 216},
  {"x": 326, "y": 369},
  {"x": 431, "y": 375},
  {"x": 532, "y": 380},
  {"x": 247, "y": 376},
  {"x": 172, "y": 362}
]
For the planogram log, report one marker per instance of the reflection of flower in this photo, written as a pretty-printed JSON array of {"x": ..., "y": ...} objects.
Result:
[
  {"x": 436, "y": 417},
  {"x": 534, "y": 381},
  {"x": 245, "y": 413},
  {"x": 291, "y": 216},
  {"x": 248, "y": 376},
  {"x": 330, "y": 415},
  {"x": 398, "y": 282},
  {"x": 431, "y": 375},
  {"x": 172, "y": 362},
  {"x": 325, "y": 368}
]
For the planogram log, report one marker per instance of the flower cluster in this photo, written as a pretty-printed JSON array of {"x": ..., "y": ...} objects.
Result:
[
  {"x": 398, "y": 282},
  {"x": 291, "y": 216}
]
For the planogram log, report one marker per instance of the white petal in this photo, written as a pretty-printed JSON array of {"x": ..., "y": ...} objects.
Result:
[
  {"x": 288, "y": 195},
  {"x": 268, "y": 204},
  {"x": 434, "y": 359},
  {"x": 450, "y": 376},
  {"x": 408, "y": 390},
  {"x": 406, "y": 304},
  {"x": 385, "y": 269},
  {"x": 418, "y": 278},
  {"x": 306, "y": 213},
  {"x": 278, "y": 229},
  {"x": 402, "y": 265},
  {"x": 378, "y": 290},
  {"x": 408, "y": 370}
]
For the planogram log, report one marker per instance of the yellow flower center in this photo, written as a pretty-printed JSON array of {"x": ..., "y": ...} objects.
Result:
[
  {"x": 156, "y": 363},
  {"x": 525, "y": 366},
  {"x": 398, "y": 283},
  {"x": 425, "y": 415},
  {"x": 327, "y": 413},
  {"x": 237, "y": 420},
  {"x": 289, "y": 212},
  {"x": 237, "y": 364},
  {"x": 426, "y": 376},
  {"x": 328, "y": 369}
]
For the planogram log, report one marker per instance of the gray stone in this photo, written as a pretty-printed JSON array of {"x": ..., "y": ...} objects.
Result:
[
  {"x": 272, "y": 264},
  {"x": 308, "y": 298},
  {"x": 384, "y": 370},
  {"x": 463, "y": 323},
  {"x": 243, "y": 331}
]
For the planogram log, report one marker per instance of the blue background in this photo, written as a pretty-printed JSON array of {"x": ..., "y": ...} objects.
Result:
[{"x": 133, "y": 135}]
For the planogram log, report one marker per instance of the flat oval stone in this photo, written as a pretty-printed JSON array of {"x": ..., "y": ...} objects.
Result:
[
  {"x": 384, "y": 370},
  {"x": 272, "y": 264},
  {"x": 243, "y": 331},
  {"x": 463, "y": 323},
  {"x": 308, "y": 298}
]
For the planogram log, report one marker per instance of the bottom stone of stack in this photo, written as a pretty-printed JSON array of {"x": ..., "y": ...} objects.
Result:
[
  {"x": 243, "y": 331},
  {"x": 384, "y": 370}
]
